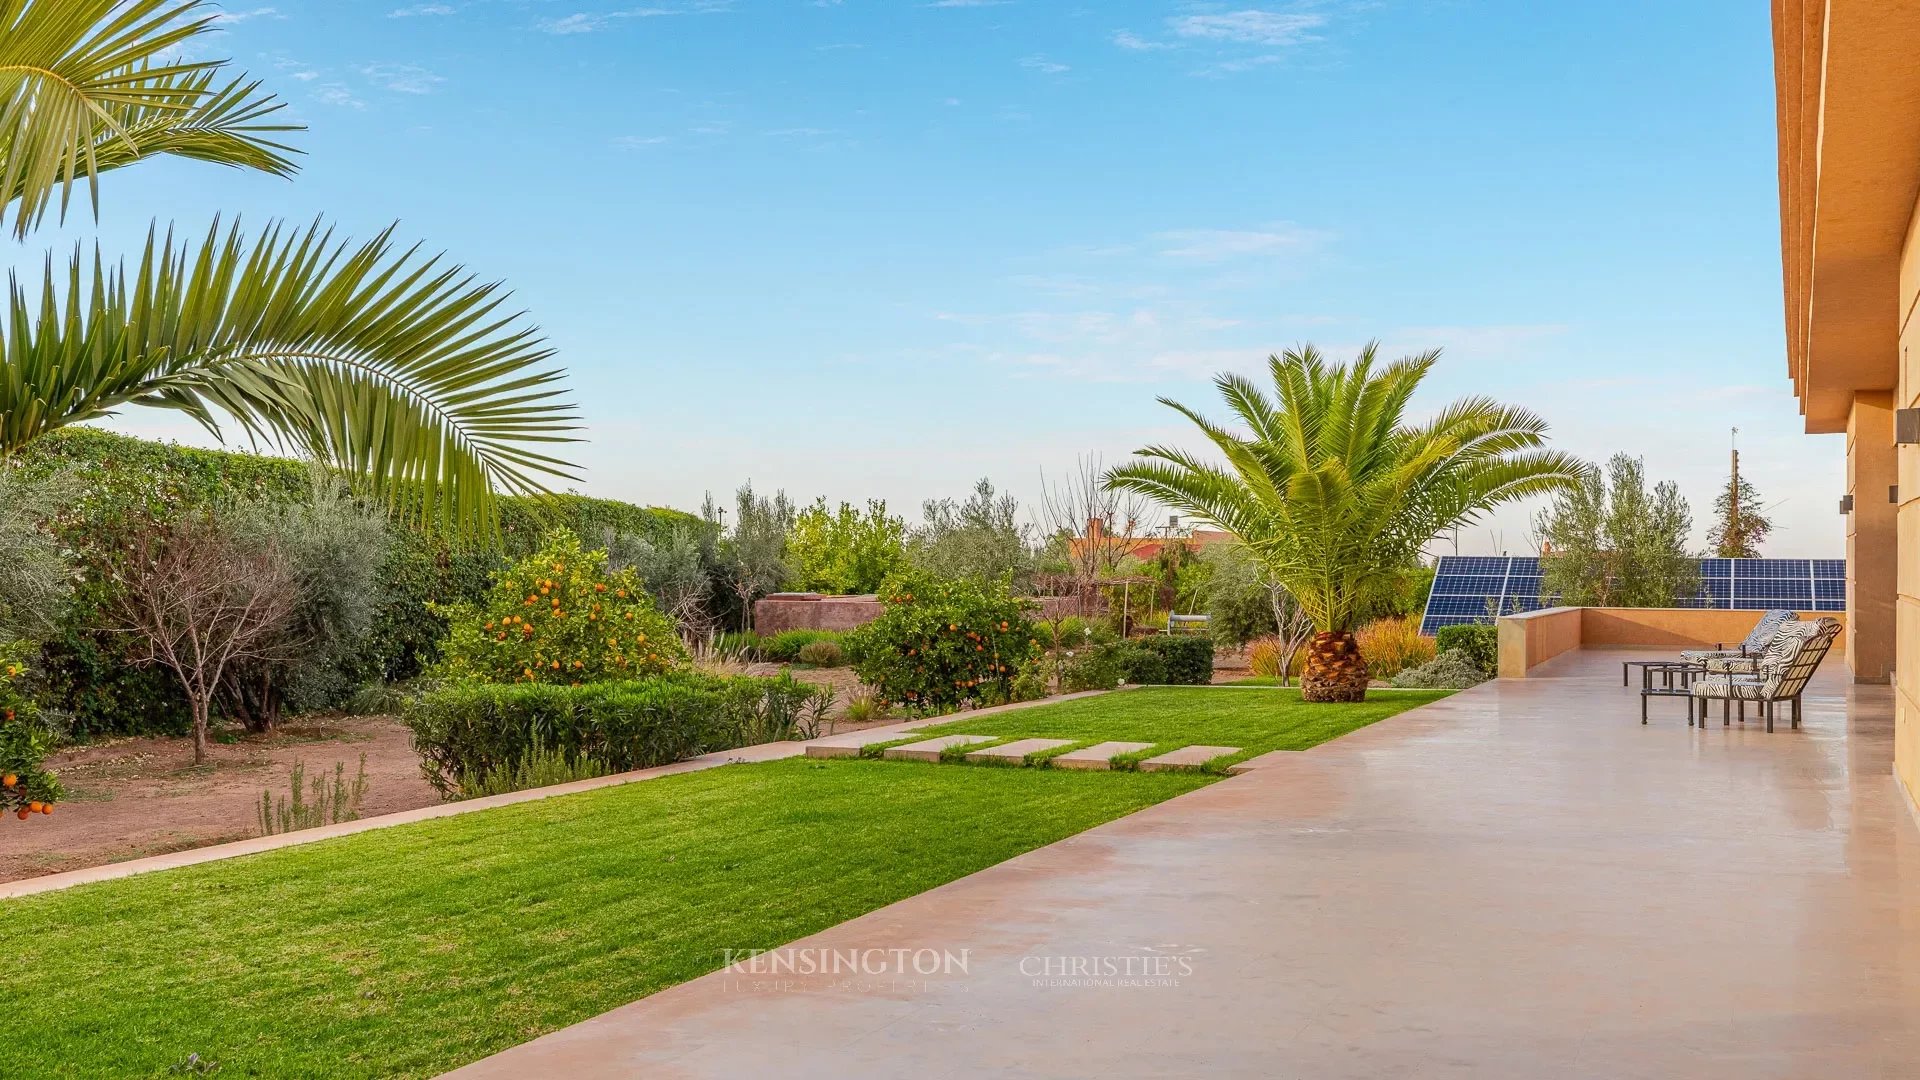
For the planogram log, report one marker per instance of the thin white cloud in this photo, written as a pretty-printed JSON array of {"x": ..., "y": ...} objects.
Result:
[
  {"x": 337, "y": 95},
  {"x": 421, "y": 10},
  {"x": 1231, "y": 32},
  {"x": 1133, "y": 42},
  {"x": 1044, "y": 66},
  {"x": 577, "y": 23},
  {"x": 243, "y": 16},
  {"x": 638, "y": 142},
  {"x": 967, "y": 3},
  {"x": 1250, "y": 27},
  {"x": 295, "y": 69},
  {"x": 1220, "y": 245},
  {"x": 581, "y": 22},
  {"x": 402, "y": 78}
]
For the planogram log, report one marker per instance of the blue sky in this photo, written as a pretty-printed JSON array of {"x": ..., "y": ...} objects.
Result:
[{"x": 880, "y": 249}]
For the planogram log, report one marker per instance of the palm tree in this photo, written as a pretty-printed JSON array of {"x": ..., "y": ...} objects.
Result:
[
  {"x": 367, "y": 356},
  {"x": 1336, "y": 493}
]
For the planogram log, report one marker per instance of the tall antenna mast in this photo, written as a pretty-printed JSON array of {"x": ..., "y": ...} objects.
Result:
[{"x": 1733, "y": 539}]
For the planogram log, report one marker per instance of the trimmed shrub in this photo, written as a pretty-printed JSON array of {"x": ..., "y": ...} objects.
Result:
[
  {"x": 1391, "y": 645},
  {"x": 1184, "y": 660},
  {"x": 558, "y": 616},
  {"x": 1139, "y": 666},
  {"x": 1451, "y": 670},
  {"x": 938, "y": 643},
  {"x": 784, "y": 647},
  {"x": 822, "y": 654},
  {"x": 479, "y": 729},
  {"x": 1479, "y": 641}
]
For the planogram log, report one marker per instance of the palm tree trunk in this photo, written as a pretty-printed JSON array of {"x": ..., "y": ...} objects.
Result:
[{"x": 1335, "y": 670}]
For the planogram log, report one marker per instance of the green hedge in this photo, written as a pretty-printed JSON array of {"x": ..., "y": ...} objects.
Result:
[
  {"x": 464, "y": 731},
  {"x": 1479, "y": 641},
  {"x": 1176, "y": 659}
]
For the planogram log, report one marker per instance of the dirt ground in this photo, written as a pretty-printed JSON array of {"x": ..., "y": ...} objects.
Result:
[{"x": 129, "y": 798}]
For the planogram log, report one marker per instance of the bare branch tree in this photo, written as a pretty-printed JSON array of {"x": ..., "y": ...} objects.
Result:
[
  {"x": 1294, "y": 627},
  {"x": 199, "y": 602},
  {"x": 1099, "y": 527}
]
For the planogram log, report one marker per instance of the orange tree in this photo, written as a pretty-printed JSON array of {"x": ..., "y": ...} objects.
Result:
[
  {"x": 940, "y": 642},
  {"x": 25, "y": 787},
  {"x": 560, "y": 616}
]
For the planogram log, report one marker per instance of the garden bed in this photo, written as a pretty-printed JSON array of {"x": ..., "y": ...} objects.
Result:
[
  {"x": 411, "y": 950},
  {"x": 129, "y": 798}
]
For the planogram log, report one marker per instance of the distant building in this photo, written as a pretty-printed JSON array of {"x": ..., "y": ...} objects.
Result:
[{"x": 1145, "y": 546}]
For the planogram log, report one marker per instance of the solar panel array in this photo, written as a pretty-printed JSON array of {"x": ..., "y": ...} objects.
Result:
[{"x": 1475, "y": 588}]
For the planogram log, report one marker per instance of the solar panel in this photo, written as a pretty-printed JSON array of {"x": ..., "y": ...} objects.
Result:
[{"x": 1473, "y": 588}]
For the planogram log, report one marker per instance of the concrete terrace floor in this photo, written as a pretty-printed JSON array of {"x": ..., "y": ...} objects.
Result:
[{"x": 1519, "y": 881}]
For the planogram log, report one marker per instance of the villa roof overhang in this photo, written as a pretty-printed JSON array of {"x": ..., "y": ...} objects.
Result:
[{"x": 1848, "y": 97}]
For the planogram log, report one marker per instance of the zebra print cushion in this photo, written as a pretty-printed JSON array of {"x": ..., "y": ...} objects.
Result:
[
  {"x": 1736, "y": 687},
  {"x": 1787, "y": 642},
  {"x": 1786, "y": 675},
  {"x": 1783, "y": 669},
  {"x": 1763, "y": 632},
  {"x": 1734, "y": 665}
]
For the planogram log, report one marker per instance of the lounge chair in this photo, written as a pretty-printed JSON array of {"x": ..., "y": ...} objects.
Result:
[
  {"x": 1780, "y": 674},
  {"x": 1753, "y": 646},
  {"x": 1692, "y": 660}
]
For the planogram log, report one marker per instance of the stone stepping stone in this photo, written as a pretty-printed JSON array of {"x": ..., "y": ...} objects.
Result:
[
  {"x": 1187, "y": 757},
  {"x": 930, "y": 749},
  {"x": 1096, "y": 756},
  {"x": 849, "y": 744},
  {"x": 1016, "y": 751}
]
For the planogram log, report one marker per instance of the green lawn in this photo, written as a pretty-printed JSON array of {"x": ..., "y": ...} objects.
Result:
[
  {"x": 1170, "y": 717},
  {"x": 411, "y": 950}
]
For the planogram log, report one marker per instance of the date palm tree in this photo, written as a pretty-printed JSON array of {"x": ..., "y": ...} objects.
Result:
[
  {"x": 397, "y": 367},
  {"x": 1337, "y": 493}
]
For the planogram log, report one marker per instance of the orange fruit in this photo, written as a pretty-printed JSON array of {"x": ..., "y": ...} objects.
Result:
[
  {"x": 9, "y": 780},
  {"x": 21, "y": 813}
]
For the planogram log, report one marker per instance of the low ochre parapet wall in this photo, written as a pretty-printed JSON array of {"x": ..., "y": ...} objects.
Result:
[{"x": 1532, "y": 638}]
